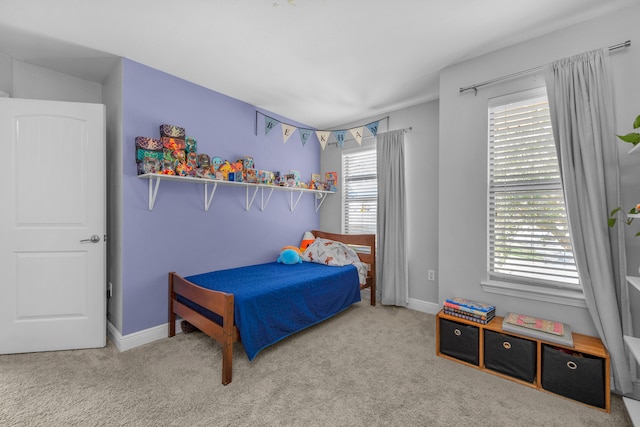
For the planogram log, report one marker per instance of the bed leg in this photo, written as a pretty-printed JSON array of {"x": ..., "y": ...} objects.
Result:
[
  {"x": 373, "y": 293},
  {"x": 228, "y": 326},
  {"x": 172, "y": 315},
  {"x": 227, "y": 360}
]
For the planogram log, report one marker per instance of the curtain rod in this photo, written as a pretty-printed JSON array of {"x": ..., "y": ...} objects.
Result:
[{"x": 529, "y": 71}]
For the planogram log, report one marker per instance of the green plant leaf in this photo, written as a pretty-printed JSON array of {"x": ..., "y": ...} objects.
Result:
[
  {"x": 612, "y": 222},
  {"x": 637, "y": 234},
  {"x": 636, "y": 124},
  {"x": 615, "y": 211},
  {"x": 632, "y": 137}
]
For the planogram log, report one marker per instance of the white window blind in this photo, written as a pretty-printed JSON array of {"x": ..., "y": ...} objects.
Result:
[
  {"x": 529, "y": 239},
  {"x": 359, "y": 191}
]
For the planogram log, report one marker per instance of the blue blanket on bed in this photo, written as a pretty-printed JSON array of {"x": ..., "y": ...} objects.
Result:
[{"x": 273, "y": 300}]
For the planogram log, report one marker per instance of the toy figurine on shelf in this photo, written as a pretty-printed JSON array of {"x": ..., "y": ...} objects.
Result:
[
  {"x": 216, "y": 162},
  {"x": 192, "y": 162},
  {"x": 225, "y": 168},
  {"x": 149, "y": 165},
  {"x": 204, "y": 172},
  {"x": 181, "y": 169},
  {"x": 247, "y": 163},
  {"x": 168, "y": 168}
]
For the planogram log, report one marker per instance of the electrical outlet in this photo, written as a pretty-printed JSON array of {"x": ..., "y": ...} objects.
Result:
[
  {"x": 431, "y": 275},
  {"x": 109, "y": 290}
]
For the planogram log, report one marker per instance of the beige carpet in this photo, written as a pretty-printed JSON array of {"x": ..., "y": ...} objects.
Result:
[{"x": 366, "y": 366}]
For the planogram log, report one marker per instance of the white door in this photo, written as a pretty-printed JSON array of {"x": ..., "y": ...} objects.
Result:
[{"x": 52, "y": 226}]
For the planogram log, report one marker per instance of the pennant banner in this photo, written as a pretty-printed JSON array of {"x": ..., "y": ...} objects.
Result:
[
  {"x": 323, "y": 137},
  {"x": 287, "y": 131},
  {"x": 269, "y": 124},
  {"x": 357, "y": 134},
  {"x": 304, "y": 135},
  {"x": 339, "y": 136}
]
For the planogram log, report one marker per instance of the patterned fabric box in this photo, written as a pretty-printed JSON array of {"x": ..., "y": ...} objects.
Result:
[
  {"x": 149, "y": 165},
  {"x": 142, "y": 153},
  {"x": 172, "y": 131},
  {"x": 148, "y": 143},
  {"x": 173, "y": 143}
]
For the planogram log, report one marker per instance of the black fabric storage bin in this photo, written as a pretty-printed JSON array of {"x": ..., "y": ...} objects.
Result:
[
  {"x": 460, "y": 341},
  {"x": 579, "y": 377},
  {"x": 510, "y": 355}
]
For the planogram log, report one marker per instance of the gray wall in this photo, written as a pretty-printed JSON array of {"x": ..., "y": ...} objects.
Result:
[
  {"x": 463, "y": 152},
  {"x": 112, "y": 97},
  {"x": 6, "y": 73},
  {"x": 33, "y": 82},
  {"x": 421, "y": 163}
]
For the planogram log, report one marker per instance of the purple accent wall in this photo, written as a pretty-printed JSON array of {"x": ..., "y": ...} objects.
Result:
[{"x": 178, "y": 235}]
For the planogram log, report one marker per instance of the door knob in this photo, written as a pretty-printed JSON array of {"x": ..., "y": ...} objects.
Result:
[{"x": 93, "y": 239}]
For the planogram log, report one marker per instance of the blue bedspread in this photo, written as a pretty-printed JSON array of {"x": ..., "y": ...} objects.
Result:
[{"x": 273, "y": 300}]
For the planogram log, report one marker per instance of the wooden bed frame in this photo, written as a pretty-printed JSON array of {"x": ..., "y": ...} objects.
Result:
[{"x": 223, "y": 304}]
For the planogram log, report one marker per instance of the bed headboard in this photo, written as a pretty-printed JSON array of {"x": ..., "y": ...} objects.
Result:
[{"x": 366, "y": 241}]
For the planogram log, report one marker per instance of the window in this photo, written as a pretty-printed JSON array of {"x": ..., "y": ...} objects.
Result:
[
  {"x": 359, "y": 191},
  {"x": 529, "y": 240}
]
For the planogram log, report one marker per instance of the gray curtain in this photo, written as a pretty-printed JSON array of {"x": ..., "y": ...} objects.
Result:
[
  {"x": 582, "y": 116},
  {"x": 392, "y": 267}
]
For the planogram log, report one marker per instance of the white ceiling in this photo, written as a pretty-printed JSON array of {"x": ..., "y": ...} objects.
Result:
[{"x": 323, "y": 63}]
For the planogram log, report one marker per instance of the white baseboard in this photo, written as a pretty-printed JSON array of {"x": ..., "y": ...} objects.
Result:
[
  {"x": 136, "y": 339},
  {"x": 423, "y": 306}
]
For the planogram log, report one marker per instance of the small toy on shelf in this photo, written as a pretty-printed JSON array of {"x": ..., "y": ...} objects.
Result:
[
  {"x": 216, "y": 162},
  {"x": 192, "y": 161}
]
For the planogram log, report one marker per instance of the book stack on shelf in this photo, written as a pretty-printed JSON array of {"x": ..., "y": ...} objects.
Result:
[{"x": 475, "y": 311}]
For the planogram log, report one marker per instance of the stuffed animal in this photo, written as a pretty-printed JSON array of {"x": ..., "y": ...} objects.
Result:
[{"x": 290, "y": 255}]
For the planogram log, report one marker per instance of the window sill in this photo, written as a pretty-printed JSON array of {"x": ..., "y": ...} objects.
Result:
[{"x": 552, "y": 295}]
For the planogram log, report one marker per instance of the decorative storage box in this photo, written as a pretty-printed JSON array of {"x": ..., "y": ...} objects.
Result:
[
  {"x": 460, "y": 341},
  {"x": 148, "y": 143},
  {"x": 173, "y": 143},
  {"x": 574, "y": 375},
  {"x": 141, "y": 153},
  {"x": 510, "y": 355},
  {"x": 172, "y": 131}
]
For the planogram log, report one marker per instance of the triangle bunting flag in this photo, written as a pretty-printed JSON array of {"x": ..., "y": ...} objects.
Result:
[
  {"x": 323, "y": 137},
  {"x": 269, "y": 124},
  {"x": 373, "y": 128},
  {"x": 357, "y": 134},
  {"x": 339, "y": 136},
  {"x": 287, "y": 131},
  {"x": 304, "y": 135}
]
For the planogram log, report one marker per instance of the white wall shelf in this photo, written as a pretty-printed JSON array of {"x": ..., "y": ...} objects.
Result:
[
  {"x": 633, "y": 344},
  {"x": 210, "y": 186}
]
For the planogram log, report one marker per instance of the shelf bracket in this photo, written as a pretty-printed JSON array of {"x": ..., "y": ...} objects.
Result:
[
  {"x": 153, "y": 192},
  {"x": 321, "y": 197},
  {"x": 294, "y": 205},
  {"x": 250, "y": 202},
  {"x": 263, "y": 203},
  {"x": 209, "y": 197}
]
